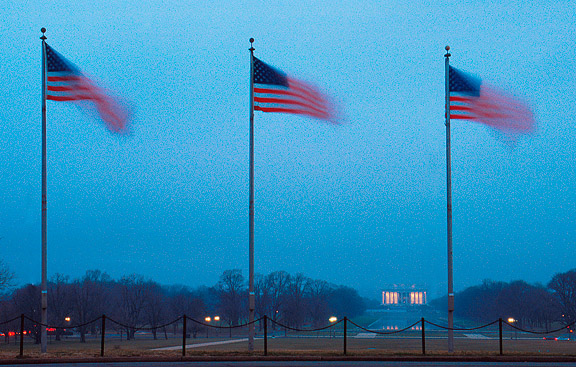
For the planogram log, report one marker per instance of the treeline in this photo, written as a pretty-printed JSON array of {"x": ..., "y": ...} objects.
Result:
[
  {"x": 532, "y": 306},
  {"x": 136, "y": 302}
]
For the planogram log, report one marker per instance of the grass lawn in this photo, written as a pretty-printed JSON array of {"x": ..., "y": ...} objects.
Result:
[{"x": 302, "y": 345}]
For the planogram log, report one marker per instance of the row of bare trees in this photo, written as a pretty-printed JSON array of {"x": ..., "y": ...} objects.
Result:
[
  {"x": 293, "y": 300},
  {"x": 297, "y": 300},
  {"x": 135, "y": 302},
  {"x": 531, "y": 306}
]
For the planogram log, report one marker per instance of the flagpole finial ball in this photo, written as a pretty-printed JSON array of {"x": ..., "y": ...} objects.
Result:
[
  {"x": 43, "y": 30},
  {"x": 251, "y": 40},
  {"x": 447, "y": 48}
]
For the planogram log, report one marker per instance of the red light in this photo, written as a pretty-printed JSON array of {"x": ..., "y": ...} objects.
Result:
[
  {"x": 50, "y": 329},
  {"x": 11, "y": 333}
]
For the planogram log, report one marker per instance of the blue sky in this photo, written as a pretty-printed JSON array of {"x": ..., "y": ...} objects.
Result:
[{"x": 362, "y": 204}]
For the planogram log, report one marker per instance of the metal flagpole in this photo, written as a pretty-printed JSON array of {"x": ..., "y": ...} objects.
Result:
[
  {"x": 251, "y": 296},
  {"x": 449, "y": 207},
  {"x": 44, "y": 334}
]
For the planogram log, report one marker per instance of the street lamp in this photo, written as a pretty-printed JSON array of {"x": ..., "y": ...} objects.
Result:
[
  {"x": 332, "y": 320},
  {"x": 512, "y": 320},
  {"x": 217, "y": 320},
  {"x": 207, "y": 319}
]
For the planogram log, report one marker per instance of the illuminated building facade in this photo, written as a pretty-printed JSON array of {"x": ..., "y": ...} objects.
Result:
[{"x": 401, "y": 295}]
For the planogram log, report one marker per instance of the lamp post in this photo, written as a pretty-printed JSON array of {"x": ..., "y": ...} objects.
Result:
[
  {"x": 512, "y": 320},
  {"x": 67, "y": 321},
  {"x": 217, "y": 319},
  {"x": 207, "y": 319},
  {"x": 332, "y": 320}
]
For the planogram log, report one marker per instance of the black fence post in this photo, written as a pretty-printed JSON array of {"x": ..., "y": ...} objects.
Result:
[
  {"x": 22, "y": 335},
  {"x": 423, "y": 338},
  {"x": 500, "y": 329},
  {"x": 184, "y": 336},
  {"x": 265, "y": 335},
  {"x": 345, "y": 333},
  {"x": 103, "y": 335}
]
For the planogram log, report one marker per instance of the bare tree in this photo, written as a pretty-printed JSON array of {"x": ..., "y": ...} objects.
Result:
[
  {"x": 154, "y": 306},
  {"x": 8, "y": 312},
  {"x": 294, "y": 307},
  {"x": 564, "y": 287},
  {"x": 543, "y": 307},
  {"x": 6, "y": 276},
  {"x": 183, "y": 301},
  {"x": 262, "y": 294},
  {"x": 90, "y": 297},
  {"x": 277, "y": 282},
  {"x": 26, "y": 300},
  {"x": 60, "y": 302},
  {"x": 231, "y": 290},
  {"x": 317, "y": 292},
  {"x": 131, "y": 302}
]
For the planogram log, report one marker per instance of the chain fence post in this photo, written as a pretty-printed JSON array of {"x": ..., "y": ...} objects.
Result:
[
  {"x": 423, "y": 338},
  {"x": 21, "y": 335},
  {"x": 500, "y": 332},
  {"x": 265, "y": 335},
  {"x": 184, "y": 336},
  {"x": 103, "y": 335},
  {"x": 345, "y": 333}
]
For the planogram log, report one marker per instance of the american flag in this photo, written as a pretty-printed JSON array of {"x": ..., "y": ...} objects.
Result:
[
  {"x": 470, "y": 99},
  {"x": 66, "y": 83},
  {"x": 274, "y": 91}
]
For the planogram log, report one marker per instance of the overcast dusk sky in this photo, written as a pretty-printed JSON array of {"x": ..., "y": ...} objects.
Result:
[{"x": 361, "y": 204}]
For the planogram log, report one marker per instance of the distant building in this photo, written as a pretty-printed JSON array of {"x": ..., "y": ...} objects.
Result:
[{"x": 404, "y": 295}]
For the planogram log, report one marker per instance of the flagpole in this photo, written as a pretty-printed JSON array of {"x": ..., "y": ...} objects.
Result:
[
  {"x": 44, "y": 288},
  {"x": 251, "y": 296},
  {"x": 449, "y": 206}
]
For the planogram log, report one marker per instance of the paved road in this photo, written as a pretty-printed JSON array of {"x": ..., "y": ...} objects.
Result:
[{"x": 310, "y": 364}]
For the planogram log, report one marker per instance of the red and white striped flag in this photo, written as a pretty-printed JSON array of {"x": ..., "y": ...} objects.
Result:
[
  {"x": 471, "y": 100},
  {"x": 274, "y": 91},
  {"x": 67, "y": 84}
]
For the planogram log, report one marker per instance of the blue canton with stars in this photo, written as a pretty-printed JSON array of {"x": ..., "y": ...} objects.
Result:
[
  {"x": 56, "y": 62},
  {"x": 266, "y": 74},
  {"x": 460, "y": 82}
]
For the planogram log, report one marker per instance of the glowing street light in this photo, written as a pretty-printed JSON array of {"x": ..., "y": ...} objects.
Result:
[
  {"x": 67, "y": 319},
  {"x": 332, "y": 320},
  {"x": 216, "y": 318},
  {"x": 512, "y": 320},
  {"x": 207, "y": 319}
]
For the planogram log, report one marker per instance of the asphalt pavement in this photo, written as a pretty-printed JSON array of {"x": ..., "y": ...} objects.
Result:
[{"x": 307, "y": 364}]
